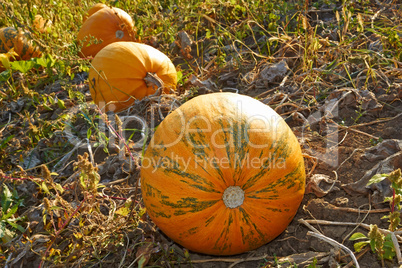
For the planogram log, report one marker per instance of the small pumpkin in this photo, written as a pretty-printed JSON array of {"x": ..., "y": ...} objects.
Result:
[
  {"x": 20, "y": 41},
  {"x": 125, "y": 71},
  {"x": 105, "y": 26},
  {"x": 40, "y": 24},
  {"x": 223, "y": 174},
  {"x": 93, "y": 9}
]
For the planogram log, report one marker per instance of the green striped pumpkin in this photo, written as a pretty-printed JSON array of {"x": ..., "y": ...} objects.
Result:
[
  {"x": 223, "y": 174},
  {"x": 20, "y": 41}
]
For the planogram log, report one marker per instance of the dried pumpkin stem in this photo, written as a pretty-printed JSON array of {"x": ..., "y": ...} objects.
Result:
[
  {"x": 233, "y": 196},
  {"x": 153, "y": 80}
]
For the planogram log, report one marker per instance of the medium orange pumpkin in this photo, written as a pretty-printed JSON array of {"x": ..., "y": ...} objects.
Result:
[
  {"x": 93, "y": 9},
  {"x": 223, "y": 174},
  {"x": 125, "y": 71},
  {"x": 105, "y": 26},
  {"x": 21, "y": 41}
]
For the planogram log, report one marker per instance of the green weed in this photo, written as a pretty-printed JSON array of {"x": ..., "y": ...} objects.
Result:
[
  {"x": 9, "y": 222},
  {"x": 380, "y": 243}
]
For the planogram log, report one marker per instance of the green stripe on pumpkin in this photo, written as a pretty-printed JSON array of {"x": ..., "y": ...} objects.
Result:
[
  {"x": 250, "y": 238},
  {"x": 224, "y": 235},
  {"x": 188, "y": 205},
  {"x": 281, "y": 152},
  {"x": 197, "y": 181},
  {"x": 209, "y": 220}
]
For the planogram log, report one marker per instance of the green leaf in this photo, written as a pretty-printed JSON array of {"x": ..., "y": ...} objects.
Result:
[
  {"x": 142, "y": 211},
  {"x": 5, "y": 75},
  {"x": 4, "y": 141},
  {"x": 61, "y": 104},
  {"x": 377, "y": 178},
  {"x": 47, "y": 107},
  {"x": 51, "y": 100},
  {"x": 179, "y": 76},
  {"x": 313, "y": 264},
  {"x": 50, "y": 61},
  {"x": 11, "y": 212},
  {"x": 23, "y": 65},
  {"x": 142, "y": 261},
  {"x": 6, "y": 199},
  {"x": 83, "y": 177},
  {"x": 55, "y": 208},
  {"x": 16, "y": 226},
  {"x": 44, "y": 218},
  {"x": 360, "y": 245},
  {"x": 2, "y": 228},
  {"x": 357, "y": 236},
  {"x": 4, "y": 60},
  {"x": 385, "y": 217},
  {"x": 59, "y": 188},
  {"x": 389, "y": 254},
  {"x": 388, "y": 241},
  {"x": 41, "y": 62},
  {"x": 123, "y": 211},
  {"x": 84, "y": 68},
  {"x": 44, "y": 188},
  {"x": 389, "y": 250},
  {"x": 89, "y": 133},
  {"x": 397, "y": 188},
  {"x": 373, "y": 245},
  {"x": 5, "y": 234},
  {"x": 186, "y": 254}
]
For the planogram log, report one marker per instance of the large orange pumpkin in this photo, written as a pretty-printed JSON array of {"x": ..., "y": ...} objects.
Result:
[
  {"x": 93, "y": 9},
  {"x": 125, "y": 71},
  {"x": 223, "y": 174},
  {"x": 105, "y": 26}
]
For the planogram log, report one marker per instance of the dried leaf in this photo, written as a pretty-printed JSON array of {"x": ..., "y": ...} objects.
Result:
[
  {"x": 317, "y": 183},
  {"x": 144, "y": 254},
  {"x": 123, "y": 211}
]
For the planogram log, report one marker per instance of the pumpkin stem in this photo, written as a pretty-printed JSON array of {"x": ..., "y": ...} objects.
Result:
[
  {"x": 233, "y": 196},
  {"x": 153, "y": 80}
]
